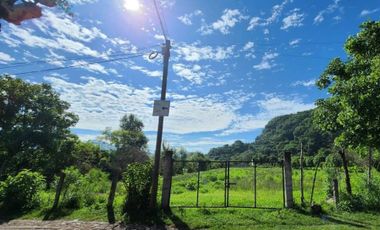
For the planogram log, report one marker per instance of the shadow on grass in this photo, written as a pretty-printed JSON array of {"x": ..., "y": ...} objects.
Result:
[
  {"x": 330, "y": 218},
  {"x": 337, "y": 220},
  {"x": 176, "y": 220}
]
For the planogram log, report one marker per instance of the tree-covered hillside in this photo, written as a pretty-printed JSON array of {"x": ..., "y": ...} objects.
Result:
[{"x": 283, "y": 133}]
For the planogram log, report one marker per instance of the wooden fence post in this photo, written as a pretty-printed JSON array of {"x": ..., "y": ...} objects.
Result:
[
  {"x": 289, "y": 203},
  {"x": 335, "y": 191},
  {"x": 167, "y": 179}
]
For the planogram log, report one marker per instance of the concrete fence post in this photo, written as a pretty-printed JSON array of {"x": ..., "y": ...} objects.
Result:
[
  {"x": 167, "y": 179},
  {"x": 289, "y": 202}
]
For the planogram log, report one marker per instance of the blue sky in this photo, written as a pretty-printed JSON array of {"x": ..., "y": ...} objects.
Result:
[{"x": 234, "y": 64}]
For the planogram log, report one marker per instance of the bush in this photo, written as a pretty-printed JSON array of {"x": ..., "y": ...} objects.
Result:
[
  {"x": 72, "y": 191},
  {"x": 351, "y": 203},
  {"x": 137, "y": 181},
  {"x": 191, "y": 186},
  {"x": 20, "y": 192},
  {"x": 371, "y": 192}
]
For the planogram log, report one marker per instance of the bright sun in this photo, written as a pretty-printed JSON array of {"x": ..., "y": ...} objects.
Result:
[{"x": 132, "y": 5}]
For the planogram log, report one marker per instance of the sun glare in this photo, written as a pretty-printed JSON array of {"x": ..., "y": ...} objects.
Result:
[{"x": 132, "y": 5}]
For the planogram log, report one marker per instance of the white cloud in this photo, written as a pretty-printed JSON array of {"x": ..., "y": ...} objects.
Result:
[
  {"x": 187, "y": 18},
  {"x": 308, "y": 83},
  {"x": 81, "y": 2},
  {"x": 368, "y": 12},
  {"x": 100, "y": 104},
  {"x": 4, "y": 58},
  {"x": 154, "y": 73},
  {"x": 192, "y": 73},
  {"x": 270, "y": 107},
  {"x": 194, "y": 52},
  {"x": 276, "y": 12},
  {"x": 329, "y": 10},
  {"x": 167, "y": 3},
  {"x": 249, "y": 50},
  {"x": 295, "y": 42},
  {"x": 248, "y": 46},
  {"x": 60, "y": 25},
  {"x": 293, "y": 20},
  {"x": 227, "y": 21},
  {"x": 267, "y": 61}
]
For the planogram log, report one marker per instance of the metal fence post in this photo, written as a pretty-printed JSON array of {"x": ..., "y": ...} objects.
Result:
[{"x": 167, "y": 180}]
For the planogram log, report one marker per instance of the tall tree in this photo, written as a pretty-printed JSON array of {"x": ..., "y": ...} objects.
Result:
[
  {"x": 34, "y": 123},
  {"x": 130, "y": 146},
  {"x": 353, "y": 85}
]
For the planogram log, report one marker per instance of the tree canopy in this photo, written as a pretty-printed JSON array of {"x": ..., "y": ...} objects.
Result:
[
  {"x": 354, "y": 87},
  {"x": 34, "y": 124}
]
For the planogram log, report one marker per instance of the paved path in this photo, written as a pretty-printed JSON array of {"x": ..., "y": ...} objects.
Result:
[{"x": 68, "y": 225}]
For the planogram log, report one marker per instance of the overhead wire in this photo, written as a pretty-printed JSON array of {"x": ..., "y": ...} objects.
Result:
[
  {"x": 77, "y": 65},
  {"x": 73, "y": 58},
  {"x": 160, "y": 20}
]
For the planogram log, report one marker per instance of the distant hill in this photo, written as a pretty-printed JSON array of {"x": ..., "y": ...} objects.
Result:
[{"x": 283, "y": 133}]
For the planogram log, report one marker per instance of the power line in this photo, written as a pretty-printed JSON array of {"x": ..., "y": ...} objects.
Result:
[
  {"x": 72, "y": 58},
  {"x": 160, "y": 20},
  {"x": 78, "y": 65}
]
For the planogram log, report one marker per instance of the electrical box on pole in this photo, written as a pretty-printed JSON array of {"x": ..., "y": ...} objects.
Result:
[{"x": 161, "y": 108}]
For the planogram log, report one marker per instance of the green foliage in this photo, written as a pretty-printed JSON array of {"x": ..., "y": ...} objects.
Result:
[
  {"x": 368, "y": 199},
  {"x": 34, "y": 127},
  {"x": 285, "y": 133},
  {"x": 129, "y": 142},
  {"x": 352, "y": 109},
  {"x": 137, "y": 181},
  {"x": 350, "y": 203},
  {"x": 83, "y": 190},
  {"x": 20, "y": 192},
  {"x": 72, "y": 196},
  {"x": 226, "y": 152}
]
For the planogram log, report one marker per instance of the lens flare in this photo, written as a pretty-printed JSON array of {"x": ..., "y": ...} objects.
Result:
[{"x": 132, "y": 5}]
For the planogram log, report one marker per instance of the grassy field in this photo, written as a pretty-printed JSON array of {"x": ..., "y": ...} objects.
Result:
[
  {"x": 268, "y": 215},
  {"x": 268, "y": 187}
]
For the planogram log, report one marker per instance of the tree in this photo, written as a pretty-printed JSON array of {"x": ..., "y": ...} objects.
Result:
[
  {"x": 15, "y": 12},
  {"x": 353, "y": 85},
  {"x": 34, "y": 125},
  {"x": 130, "y": 146}
]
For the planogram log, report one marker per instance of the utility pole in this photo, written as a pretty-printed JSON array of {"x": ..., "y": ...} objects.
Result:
[{"x": 157, "y": 155}]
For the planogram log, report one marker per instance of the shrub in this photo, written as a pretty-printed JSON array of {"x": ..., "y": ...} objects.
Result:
[
  {"x": 137, "y": 181},
  {"x": 191, "y": 186},
  {"x": 351, "y": 203},
  {"x": 371, "y": 192},
  {"x": 72, "y": 191},
  {"x": 20, "y": 192}
]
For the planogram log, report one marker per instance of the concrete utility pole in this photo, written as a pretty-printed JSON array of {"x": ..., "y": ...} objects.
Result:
[{"x": 157, "y": 155}]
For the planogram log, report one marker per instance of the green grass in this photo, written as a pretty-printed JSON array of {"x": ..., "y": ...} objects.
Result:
[
  {"x": 269, "y": 195},
  {"x": 268, "y": 188}
]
